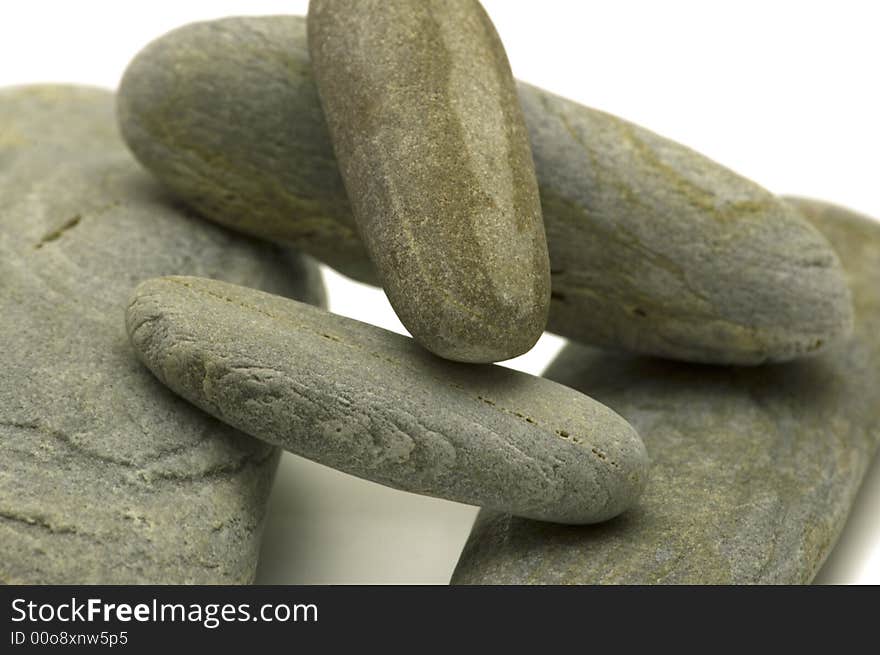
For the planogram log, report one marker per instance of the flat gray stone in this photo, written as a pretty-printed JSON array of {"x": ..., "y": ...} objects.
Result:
[
  {"x": 753, "y": 471},
  {"x": 108, "y": 477},
  {"x": 376, "y": 405},
  {"x": 433, "y": 150},
  {"x": 653, "y": 248}
]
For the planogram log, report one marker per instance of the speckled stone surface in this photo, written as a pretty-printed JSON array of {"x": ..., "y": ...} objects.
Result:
[
  {"x": 106, "y": 476},
  {"x": 753, "y": 470},
  {"x": 653, "y": 248},
  {"x": 433, "y": 150},
  {"x": 374, "y": 404}
]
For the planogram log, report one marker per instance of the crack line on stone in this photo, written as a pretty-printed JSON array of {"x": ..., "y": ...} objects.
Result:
[
  {"x": 55, "y": 234},
  {"x": 37, "y": 522}
]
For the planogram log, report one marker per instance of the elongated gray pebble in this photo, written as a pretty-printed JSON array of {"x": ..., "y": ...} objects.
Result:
[
  {"x": 434, "y": 154},
  {"x": 106, "y": 476},
  {"x": 653, "y": 248},
  {"x": 753, "y": 471},
  {"x": 374, "y": 404}
]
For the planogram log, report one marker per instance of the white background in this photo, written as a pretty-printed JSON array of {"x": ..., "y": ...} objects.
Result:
[{"x": 783, "y": 92}]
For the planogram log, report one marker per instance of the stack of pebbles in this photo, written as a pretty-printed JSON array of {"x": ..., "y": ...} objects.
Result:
[{"x": 389, "y": 140}]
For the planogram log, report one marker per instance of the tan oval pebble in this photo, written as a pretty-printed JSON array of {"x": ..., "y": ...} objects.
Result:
[{"x": 427, "y": 128}]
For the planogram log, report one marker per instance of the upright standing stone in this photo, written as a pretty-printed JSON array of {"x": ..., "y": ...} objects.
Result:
[
  {"x": 653, "y": 248},
  {"x": 432, "y": 146},
  {"x": 106, "y": 476},
  {"x": 753, "y": 471}
]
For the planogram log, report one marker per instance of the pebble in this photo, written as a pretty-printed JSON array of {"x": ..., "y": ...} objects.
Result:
[
  {"x": 375, "y": 404},
  {"x": 107, "y": 477},
  {"x": 434, "y": 154},
  {"x": 753, "y": 471},
  {"x": 653, "y": 248}
]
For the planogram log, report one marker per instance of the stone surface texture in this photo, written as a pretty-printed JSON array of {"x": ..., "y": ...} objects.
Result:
[
  {"x": 376, "y": 405},
  {"x": 653, "y": 248},
  {"x": 108, "y": 477},
  {"x": 658, "y": 250},
  {"x": 753, "y": 470},
  {"x": 432, "y": 147}
]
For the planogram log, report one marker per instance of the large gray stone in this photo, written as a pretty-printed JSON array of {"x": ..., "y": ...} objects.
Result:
[
  {"x": 374, "y": 404},
  {"x": 433, "y": 150},
  {"x": 653, "y": 248},
  {"x": 753, "y": 470},
  {"x": 108, "y": 477}
]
